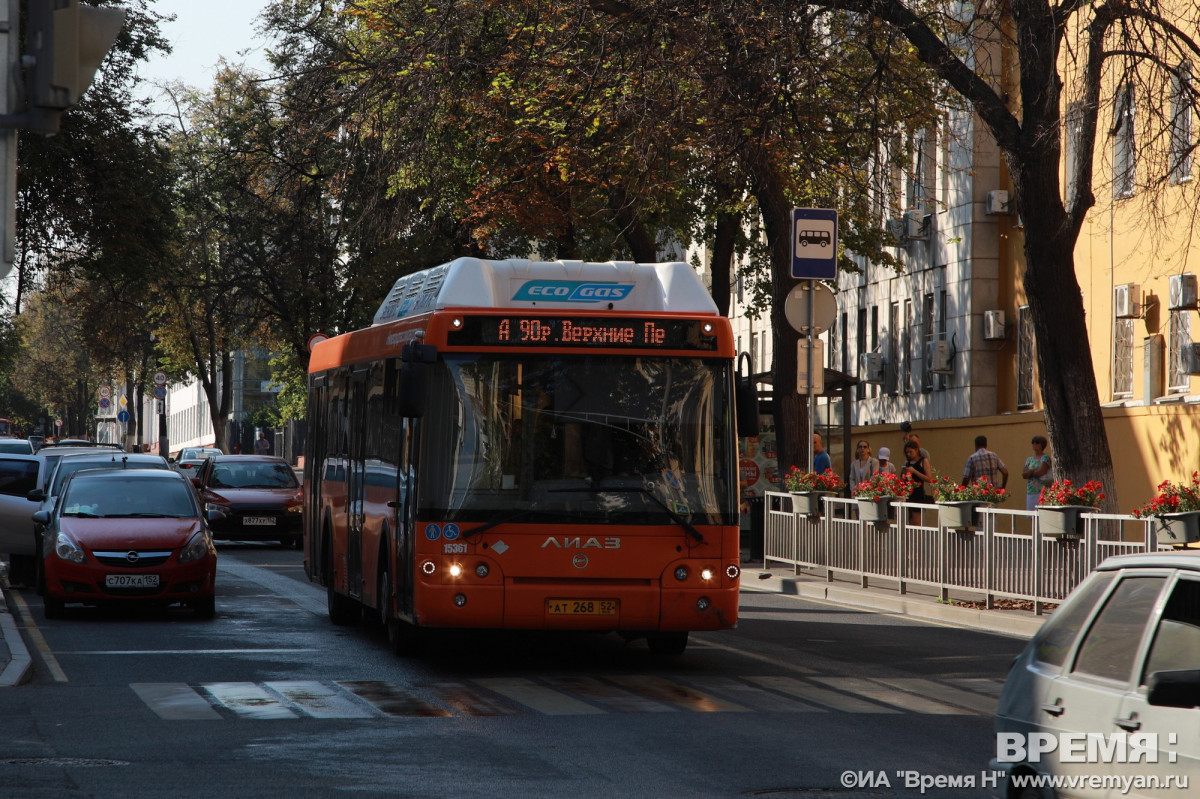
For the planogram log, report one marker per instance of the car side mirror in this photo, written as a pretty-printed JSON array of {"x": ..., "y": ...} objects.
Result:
[
  {"x": 215, "y": 514},
  {"x": 1174, "y": 688},
  {"x": 195, "y": 481},
  {"x": 42, "y": 517},
  {"x": 36, "y": 495}
]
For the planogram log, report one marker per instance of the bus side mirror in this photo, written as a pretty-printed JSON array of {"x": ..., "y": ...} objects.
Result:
[
  {"x": 414, "y": 366},
  {"x": 745, "y": 397}
]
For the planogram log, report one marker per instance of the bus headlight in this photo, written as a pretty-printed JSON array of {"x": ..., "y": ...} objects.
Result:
[
  {"x": 732, "y": 572},
  {"x": 428, "y": 567},
  {"x": 706, "y": 574},
  {"x": 702, "y": 603},
  {"x": 681, "y": 573},
  {"x": 455, "y": 570},
  {"x": 460, "y": 600},
  {"x": 481, "y": 570}
]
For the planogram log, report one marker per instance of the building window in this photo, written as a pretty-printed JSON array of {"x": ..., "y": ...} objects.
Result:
[
  {"x": 1122, "y": 359},
  {"x": 928, "y": 334},
  {"x": 907, "y": 375},
  {"x": 1181, "y": 123},
  {"x": 875, "y": 341},
  {"x": 1179, "y": 381},
  {"x": 1124, "y": 144},
  {"x": 1025, "y": 356},
  {"x": 892, "y": 372},
  {"x": 861, "y": 337}
]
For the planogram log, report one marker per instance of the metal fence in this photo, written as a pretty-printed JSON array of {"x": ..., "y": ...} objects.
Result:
[{"x": 1005, "y": 557}]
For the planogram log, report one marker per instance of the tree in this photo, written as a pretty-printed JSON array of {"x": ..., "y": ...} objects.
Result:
[{"x": 1110, "y": 43}]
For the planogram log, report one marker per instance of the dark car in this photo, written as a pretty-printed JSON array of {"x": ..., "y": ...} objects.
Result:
[
  {"x": 121, "y": 536},
  {"x": 190, "y": 458},
  {"x": 258, "y": 498}
]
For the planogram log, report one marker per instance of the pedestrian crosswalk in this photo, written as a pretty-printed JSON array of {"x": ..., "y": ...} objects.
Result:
[{"x": 565, "y": 695}]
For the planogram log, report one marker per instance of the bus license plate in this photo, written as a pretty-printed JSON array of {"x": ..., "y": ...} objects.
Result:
[
  {"x": 131, "y": 580},
  {"x": 257, "y": 521},
  {"x": 582, "y": 607}
]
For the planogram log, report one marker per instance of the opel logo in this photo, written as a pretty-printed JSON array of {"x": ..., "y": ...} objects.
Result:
[
  {"x": 132, "y": 556},
  {"x": 580, "y": 561}
]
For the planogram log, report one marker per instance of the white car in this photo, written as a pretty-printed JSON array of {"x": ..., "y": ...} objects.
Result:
[{"x": 1105, "y": 699}]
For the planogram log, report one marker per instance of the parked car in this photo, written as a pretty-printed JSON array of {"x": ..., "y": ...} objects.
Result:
[
  {"x": 20, "y": 446},
  {"x": 258, "y": 497},
  {"x": 1116, "y": 669},
  {"x": 19, "y": 474},
  {"x": 127, "y": 535},
  {"x": 191, "y": 457}
]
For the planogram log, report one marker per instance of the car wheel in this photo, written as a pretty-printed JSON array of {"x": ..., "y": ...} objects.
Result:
[
  {"x": 205, "y": 608},
  {"x": 53, "y": 607},
  {"x": 672, "y": 643}
]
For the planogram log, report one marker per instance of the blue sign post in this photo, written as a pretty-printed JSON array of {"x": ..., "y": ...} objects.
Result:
[{"x": 814, "y": 243}]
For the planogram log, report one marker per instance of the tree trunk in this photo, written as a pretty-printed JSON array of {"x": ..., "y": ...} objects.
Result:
[
  {"x": 1066, "y": 373},
  {"x": 791, "y": 409},
  {"x": 721, "y": 267}
]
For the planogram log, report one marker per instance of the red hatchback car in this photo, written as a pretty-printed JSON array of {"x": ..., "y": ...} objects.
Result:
[
  {"x": 256, "y": 498},
  {"x": 127, "y": 535}
]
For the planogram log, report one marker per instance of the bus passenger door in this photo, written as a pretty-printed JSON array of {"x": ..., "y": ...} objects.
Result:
[
  {"x": 356, "y": 480},
  {"x": 404, "y": 520}
]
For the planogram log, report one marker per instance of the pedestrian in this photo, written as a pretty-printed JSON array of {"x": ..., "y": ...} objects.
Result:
[
  {"x": 914, "y": 437},
  {"x": 917, "y": 467},
  {"x": 863, "y": 465},
  {"x": 1038, "y": 472},
  {"x": 985, "y": 463},
  {"x": 821, "y": 461},
  {"x": 885, "y": 461},
  {"x": 262, "y": 446}
]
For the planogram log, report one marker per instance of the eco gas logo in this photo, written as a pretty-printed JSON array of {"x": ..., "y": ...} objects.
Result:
[{"x": 572, "y": 291}]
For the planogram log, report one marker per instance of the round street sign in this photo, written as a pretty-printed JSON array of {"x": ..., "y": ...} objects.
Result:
[
  {"x": 58, "y": 422},
  {"x": 160, "y": 378},
  {"x": 105, "y": 392},
  {"x": 315, "y": 339},
  {"x": 795, "y": 307},
  {"x": 105, "y": 403},
  {"x": 123, "y": 416},
  {"x": 160, "y": 392}
]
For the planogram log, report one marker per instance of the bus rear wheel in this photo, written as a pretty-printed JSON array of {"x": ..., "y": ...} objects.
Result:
[{"x": 670, "y": 643}]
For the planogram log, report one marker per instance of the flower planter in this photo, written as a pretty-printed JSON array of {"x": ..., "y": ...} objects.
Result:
[
  {"x": 1177, "y": 528},
  {"x": 1061, "y": 520},
  {"x": 808, "y": 503},
  {"x": 872, "y": 510},
  {"x": 960, "y": 515}
]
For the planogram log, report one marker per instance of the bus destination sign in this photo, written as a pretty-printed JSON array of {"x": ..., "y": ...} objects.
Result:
[{"x": 557, "y": 331}]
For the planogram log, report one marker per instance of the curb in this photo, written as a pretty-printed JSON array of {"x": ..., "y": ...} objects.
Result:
[
  {"x": 17, "y": 669},
  {"x": 1015, "y": 623}
]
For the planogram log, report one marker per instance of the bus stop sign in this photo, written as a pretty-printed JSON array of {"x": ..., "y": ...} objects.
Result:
[{"x": 814, "y": 243}]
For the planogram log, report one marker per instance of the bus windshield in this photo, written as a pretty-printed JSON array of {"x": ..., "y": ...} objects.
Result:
[{"x": 561, "y": 438}]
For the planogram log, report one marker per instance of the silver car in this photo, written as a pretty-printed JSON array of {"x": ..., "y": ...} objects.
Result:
[{"x": 1105, "y": 699}]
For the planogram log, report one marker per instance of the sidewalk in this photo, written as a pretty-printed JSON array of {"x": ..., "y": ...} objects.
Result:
[{"x": 15, "y": 661}]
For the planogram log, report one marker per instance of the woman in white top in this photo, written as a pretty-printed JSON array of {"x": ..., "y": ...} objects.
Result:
[
  {"x": 863, "y": 466},
  {"x": 885, "y": 461}
]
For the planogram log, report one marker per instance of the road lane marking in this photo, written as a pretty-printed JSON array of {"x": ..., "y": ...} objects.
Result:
[
  {"x": 472, "y": 700},
  {"x": 984, "y": 705},
  {"x": 249, "y": 700},
  {"x": 612, "y": 697},
  {"x": 320, "y": 701},
  {"x": 751, "y": 696},
  {"x": 547, "y": 701},
  {"x": 821, "y": 696},
  {"x": 39, "y": 641},
  {"x": 175, "y": 701},
  {"x": 665, "y": 690},
  {"x": 390, "y": 700},
  {"x": 890, "y": 696}
]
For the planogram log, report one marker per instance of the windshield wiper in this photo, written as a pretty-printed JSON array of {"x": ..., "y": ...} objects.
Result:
[
  {"x": 512, "y": 517},
  {"x": 675, "y": 517}
]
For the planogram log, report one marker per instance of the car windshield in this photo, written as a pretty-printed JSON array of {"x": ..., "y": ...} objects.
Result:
[
  {"x": 252, "y": 474},
  {"x": 637, "y": 440},
  {"x": 68, "y": 466},
  {"x": 16, "y": 445},
  {"x": 129, "y": 497}
]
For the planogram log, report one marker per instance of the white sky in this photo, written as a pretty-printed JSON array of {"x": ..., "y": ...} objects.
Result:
[{"x": 203, "y": 31}]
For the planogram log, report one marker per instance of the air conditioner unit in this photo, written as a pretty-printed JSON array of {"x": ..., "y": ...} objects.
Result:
[
  {"x": 870, "y": 367},
  {"x": 1182, "y": 293},
  {"x": 997, "y": 203},
  {"x": 993, "y": 326},
  {"x": 917, "y": 225},
  {"x": 937, "y": 356},
  {"x": 1190, "y": 357},
  {"x": 897, "y": 227},
  {"x": 1127, "y": 301}
]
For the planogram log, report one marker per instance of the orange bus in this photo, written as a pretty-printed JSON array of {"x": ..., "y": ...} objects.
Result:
[{"x": 528, "y": 445}]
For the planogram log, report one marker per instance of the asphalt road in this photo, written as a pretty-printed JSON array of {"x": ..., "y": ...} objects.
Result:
[{"x": 804, "y": 699}]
